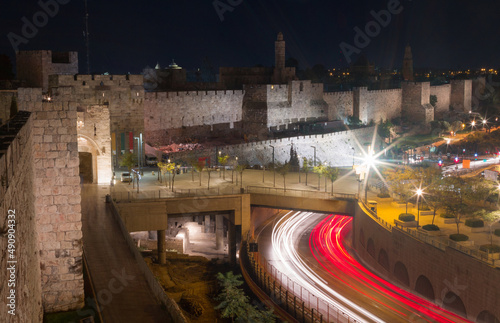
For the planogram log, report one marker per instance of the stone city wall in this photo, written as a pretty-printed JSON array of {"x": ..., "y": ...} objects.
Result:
[
  {"x": 442, "y": 93},
  {"x": 384, "y": 104},
  {"x": 461, "y": 95},
  {"x": 5, "y": 102},
  {"x": 206, "y": 111},
  {"x": 57, "y": 199},
  {"x": 17, "y": 195},
  {"x": 333, "y": 148},
  {"x": 444, "y": 276},
  {"x": 340, "y": 104},
  {"x": 297, "y": 102}
]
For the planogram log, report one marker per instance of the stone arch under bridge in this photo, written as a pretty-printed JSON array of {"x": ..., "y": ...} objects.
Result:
[{"x": 95, "y": 164}]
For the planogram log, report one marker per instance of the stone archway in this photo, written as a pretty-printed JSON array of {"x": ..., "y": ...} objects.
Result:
[
  {"x": 423, "y": 286},
  {"x": 401, "y": 273},
  {"x": 86, "y": 167},
  {"x": 487, "y": 317},
  {"x": 453, "y": 302},
  {"x": 88, "y": 152}
]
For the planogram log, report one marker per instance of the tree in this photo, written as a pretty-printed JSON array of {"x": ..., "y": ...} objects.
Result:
[
  {"x": 491, "y": 217},
  {"x": 353, "y": 121},
  {"x": 456, "y": 190},
  {"x": 163, "y": 170},
  {"x": 240, "y": 169},
  {"x": 283, "y": 170},
  {"x": 331, "y": 173},
  {"x": 234, "y": 302},
  {"x": 306, "y": 166},
  {"x": 172, "y": 168},
  {"x": 223, "y": 162},
  {"x": 320, "y": 169},
  {"x": 129, "y": 160},
  {"x": 193, "y": 162},
  {"x": 200, "y": 165},
  {"x": 401, "y": 181},
  {"x": 384, "y": 129},
  {"x": 294, "y": 159}
]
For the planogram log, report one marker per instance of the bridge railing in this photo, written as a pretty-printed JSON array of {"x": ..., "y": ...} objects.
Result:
[
  {"x": 298, "y": 193},
  {"x": 296, "y": 300}
]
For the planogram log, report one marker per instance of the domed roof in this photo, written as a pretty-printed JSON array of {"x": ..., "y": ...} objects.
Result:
[{"x": 174, "y": 66}]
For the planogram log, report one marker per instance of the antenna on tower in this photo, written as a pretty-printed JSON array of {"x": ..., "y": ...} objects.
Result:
[{"x": 87, "y": 36}]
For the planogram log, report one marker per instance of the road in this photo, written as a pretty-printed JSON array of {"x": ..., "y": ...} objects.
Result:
[
  {"x": 122, "y": 291},
  {"x": 312, "y": 250}
]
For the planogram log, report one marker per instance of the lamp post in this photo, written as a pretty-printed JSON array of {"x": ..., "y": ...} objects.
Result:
[
  {"x": 419, "y": 193},
  {"x": 299, "y": 169},
  {"x": 274, "y": 168},
  {"x": 169, "y": 174},
  {"x": 218, "y": 162},
  {"x": 353, "y": 150}
]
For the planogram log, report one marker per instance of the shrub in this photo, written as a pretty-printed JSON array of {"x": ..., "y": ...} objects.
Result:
[
  {"x": 490, "y": 248},
  {"x": 424, "y": 207},
  {"x": 430, "y": 227},
  {"x": 497, "y": 232},
  {"x": 459, "y": 237},
  {"x": 383, "y": 195},
  {"x": 446, "y": 215},
  {"x": 474, "y": 223},
  {"x": 406, "y": 217}
]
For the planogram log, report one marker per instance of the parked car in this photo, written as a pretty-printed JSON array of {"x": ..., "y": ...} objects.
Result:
[
  {"x": 126, "y": 177},
  {"x": 151, "y": 160}
]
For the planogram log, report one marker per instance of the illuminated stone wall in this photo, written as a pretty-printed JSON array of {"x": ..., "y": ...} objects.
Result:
[
  {"x": 17, "y": 195},
  {"x": 443, "y": 94},
  {"x": 57, "y": 195}
]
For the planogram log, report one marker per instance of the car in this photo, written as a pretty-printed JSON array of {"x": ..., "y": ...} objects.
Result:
[
  {"x": 151, "y": 160},
  {"x": 126, "y": 177}
]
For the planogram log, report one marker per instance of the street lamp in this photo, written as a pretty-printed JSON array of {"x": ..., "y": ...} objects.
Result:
[
  {"x": 353, "y": 150},
  {"x": 314, "y": 161},
  {"x": 419, "y": 193},
  {"x": 274, "y": 168}
]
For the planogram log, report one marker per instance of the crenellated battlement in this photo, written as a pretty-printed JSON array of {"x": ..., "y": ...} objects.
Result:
[
  {"x": 195, "y": 95},
  {"x": 111, "y": 81}
]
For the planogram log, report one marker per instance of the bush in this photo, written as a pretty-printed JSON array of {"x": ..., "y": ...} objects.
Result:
[
  {"x": 406, "y": 217},
  {"x": 490, "y": 248},
  {"x": 383, "y": 195},
  {"x": 459, "y": 237},
  {"x": 430, "y": 227},
  {"x": 425, "y": 207},
  {"x": 474, "y": 223},
  {"x": 497, "y": 232},
  {"x": 192, "y": 306},
  {"x": 446, "y": 215}
]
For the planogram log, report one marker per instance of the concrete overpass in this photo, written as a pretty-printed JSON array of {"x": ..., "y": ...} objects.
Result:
[{"x": 153, "y": 215}]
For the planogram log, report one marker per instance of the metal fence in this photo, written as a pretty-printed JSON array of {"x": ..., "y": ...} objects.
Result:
[
  {"x": 298, "y": 193},
  {"x": 293, "y": 298}
]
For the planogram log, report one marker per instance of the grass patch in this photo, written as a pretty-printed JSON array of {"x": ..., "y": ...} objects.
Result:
[
  {"x": 419, "y": 140},
  {"x": 446, "y": 215},
  {"x": 474, "y": 223},
  {"x": 459, "y": 237},
  {"x": 497, "y": 232}
]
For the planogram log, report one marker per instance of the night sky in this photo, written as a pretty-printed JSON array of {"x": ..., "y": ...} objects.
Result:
[{"x": 126, "y": 36}]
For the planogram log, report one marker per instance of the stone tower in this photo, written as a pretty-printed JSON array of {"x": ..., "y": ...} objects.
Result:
[
  {"x": 279, "y": 46},
  {"x": 408, "y": 64},
  {"x": 279, "y": 64}
]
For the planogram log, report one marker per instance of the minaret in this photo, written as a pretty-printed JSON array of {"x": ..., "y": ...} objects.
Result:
[
  {"x": 279, "y": 60},
  {"x": 279, "y": 52},
  {"x": 408, "y": 65}
]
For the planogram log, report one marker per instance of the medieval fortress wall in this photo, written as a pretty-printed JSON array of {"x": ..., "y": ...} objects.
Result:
[{"x": 21, "y": 286}]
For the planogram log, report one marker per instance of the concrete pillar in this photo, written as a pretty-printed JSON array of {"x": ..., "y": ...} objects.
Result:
[
  {"x": 231, "y": 242},
  {"x": 162, "y": 255},
  {"x": 219, "y": 232},
  {"x": 207, "y": 224}
]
